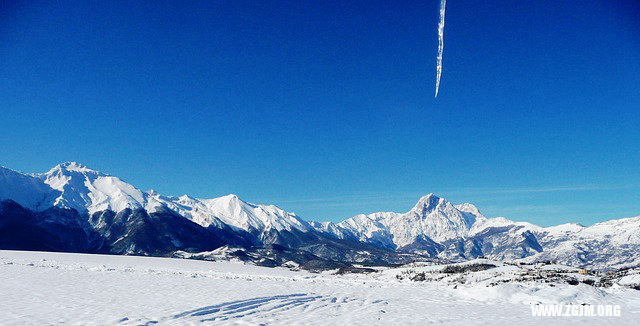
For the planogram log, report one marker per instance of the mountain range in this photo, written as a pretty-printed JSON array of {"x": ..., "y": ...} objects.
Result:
[{"x": 76, "y": 209}]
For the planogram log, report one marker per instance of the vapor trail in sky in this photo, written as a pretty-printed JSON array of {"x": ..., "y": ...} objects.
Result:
[{"x": 443, "y": 4}]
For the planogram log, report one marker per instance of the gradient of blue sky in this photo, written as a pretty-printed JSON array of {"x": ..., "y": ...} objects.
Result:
[{"x": 326, "y": 108}]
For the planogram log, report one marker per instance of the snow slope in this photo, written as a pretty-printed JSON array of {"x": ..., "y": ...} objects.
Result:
[
  {"x": 610, "y": 244},
  {"x": 232, "y": 211},
  {"x": 25, "y": 189},
  {"x": 55, "y": 288}
]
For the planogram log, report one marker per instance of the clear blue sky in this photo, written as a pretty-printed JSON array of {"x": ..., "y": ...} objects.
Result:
[{"x": 326, "y": 108}]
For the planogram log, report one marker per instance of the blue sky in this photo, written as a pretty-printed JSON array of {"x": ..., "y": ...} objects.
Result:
[{"x": 326, "y": 108}]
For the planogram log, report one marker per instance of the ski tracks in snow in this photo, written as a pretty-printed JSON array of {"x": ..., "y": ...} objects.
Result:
[{"x": 295, "y": 308}]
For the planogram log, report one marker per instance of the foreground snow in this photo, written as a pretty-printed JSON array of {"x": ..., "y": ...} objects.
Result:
[{"x": 47, "y": 288}]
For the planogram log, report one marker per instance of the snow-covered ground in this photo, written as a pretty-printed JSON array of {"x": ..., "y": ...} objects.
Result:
[{"x": 51, "y": 288}]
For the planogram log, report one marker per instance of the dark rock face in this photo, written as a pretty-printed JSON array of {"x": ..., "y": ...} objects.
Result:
[
  {"x": 127, "y": 232},
  {"x": 425, "y": 244},
  {"x": 54, "y": 229},
  {"x": 157, "y": 234}
]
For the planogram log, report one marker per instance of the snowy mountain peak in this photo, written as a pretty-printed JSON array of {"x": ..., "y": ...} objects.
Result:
[
  {"x": 469, "y": 208},
  {"x": 432, "y": 218},
  {"x": 230, "y": 211},
  {"x": 186, "y": 198},
  {"x": 231, "y": 200},
  {"x": 427, "y": 203},
  {"x": 83, "y": 189},
  {"x": 72, "y": 167},
  {"x": 253, "y": 218}
]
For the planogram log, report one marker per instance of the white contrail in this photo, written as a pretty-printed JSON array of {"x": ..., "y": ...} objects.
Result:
[{"x": 443, "y": 4}]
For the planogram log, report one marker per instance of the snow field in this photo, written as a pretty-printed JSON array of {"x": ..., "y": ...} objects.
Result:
[{"x": 51, "y": 288}]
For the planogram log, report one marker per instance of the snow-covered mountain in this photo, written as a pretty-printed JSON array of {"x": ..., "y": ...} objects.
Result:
[
  {"x": 437, "y": 228},
  {"x": 229, "y": 210},
  {"x": 119, "y": 218},
  {"x": 431, "y": 227},
  {"x": 610, "y": 244},
  {"x": 431, "y": 217},
  {"x": 128, "y": 220},
  {"x": 69, "y": 185},
  {"x": 72, "y": 185},
  {"x": 83, "y": 189}
]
